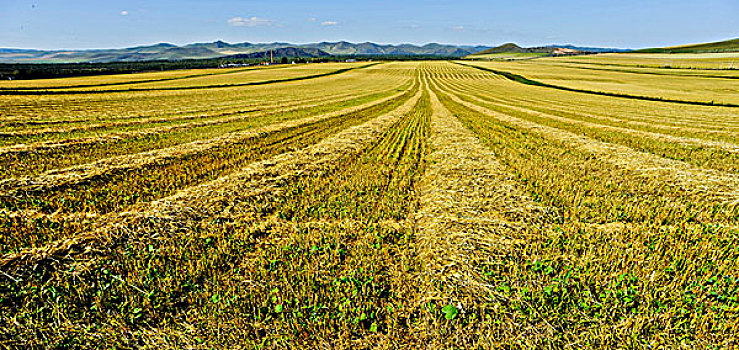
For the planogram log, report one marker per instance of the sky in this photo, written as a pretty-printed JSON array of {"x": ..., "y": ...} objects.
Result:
[{"x": 84, "y": 24}]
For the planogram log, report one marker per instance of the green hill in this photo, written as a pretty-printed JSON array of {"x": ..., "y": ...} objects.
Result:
[
  {"x": 719, "y": 46},
  {"x": 513, "y": 48},
  {"x": 511, "y": 51}
]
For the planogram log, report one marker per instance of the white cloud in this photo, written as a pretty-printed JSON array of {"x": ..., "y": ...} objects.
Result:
[
  {"x": 250, "y": 22},
  {"x": 458, "y": 28},
  {"x": 329, "y": 23},
  {"x": 311, "y": 19},
  {"x": 124, "y": 13}
]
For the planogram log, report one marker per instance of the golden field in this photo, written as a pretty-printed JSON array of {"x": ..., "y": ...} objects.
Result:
[{"x": 451, "y": 205}]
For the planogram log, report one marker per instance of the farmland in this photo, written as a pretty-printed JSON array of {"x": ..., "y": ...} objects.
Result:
[
  {"x": 716, "y": 63},
  {"x": 569, "y": 202}
]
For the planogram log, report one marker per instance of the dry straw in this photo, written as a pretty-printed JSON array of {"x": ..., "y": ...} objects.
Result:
[
  {"x": 80, "y": 173},
  {"x": 170, "y": 215},
  {"x": 705, "y": 182}
]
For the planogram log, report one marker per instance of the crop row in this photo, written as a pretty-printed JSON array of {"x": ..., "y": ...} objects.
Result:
[
  {"x": 117, "y": 189},
  {"x": 713, "y": 155},
  {"x": 198, "y": 270},
  {"x": 57, "y": 156},
  {"x": 84, "y": 172},
  {"x": 675, "y": 89},
  {"x": 714, "y": 192},
  {"x": 650, "y": 116},
  {"x": 117, "y": 79},
  {"x": 85, "y": 128},
  {"x": 627, "y": 248},
  {"x": 470, "y": 210},
  {"x": 210, "y": 81},
  {"x": 70, "y": 113},
  {"x": 457, "y": 214},
  {"x": 109, "y": 107},
  {"x": 719, "y": 155},
  {"x": 711, "y": 64}
]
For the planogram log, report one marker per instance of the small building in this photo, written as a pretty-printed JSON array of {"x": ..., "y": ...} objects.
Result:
[{"x": 234, "y": 65}]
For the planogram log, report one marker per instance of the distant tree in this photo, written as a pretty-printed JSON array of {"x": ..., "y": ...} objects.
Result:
[{"x": 283, "y": 60}]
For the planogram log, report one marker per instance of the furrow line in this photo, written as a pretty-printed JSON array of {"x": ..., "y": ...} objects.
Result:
[
  {"x": 171, "y": 215},
  {"x": 117, "y": 136},
  {"x": 252, "y": 107},
  {"x": 712, "y": 183},
  {"x": 80, "y": 173},
  {"x": 61, "y": 87},
  {"x": 179, "y": 88},
  {"x": 688, "y": 141},
  {"x": 471, "y": 211},
  {"x": 644, "y": 120},
  {"x": 523, "y": 80}
]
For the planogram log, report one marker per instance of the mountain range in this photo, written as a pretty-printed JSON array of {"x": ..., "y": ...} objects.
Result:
[
  {"x": 221, "y": 49},
  {"x": 164, "y": 51}
]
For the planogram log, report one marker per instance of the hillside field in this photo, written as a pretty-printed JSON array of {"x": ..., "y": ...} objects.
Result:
[
  {"x": 552, "y": 203},
  {"x": 716, "y": 62},
  {"x": 731, "y": 45}
]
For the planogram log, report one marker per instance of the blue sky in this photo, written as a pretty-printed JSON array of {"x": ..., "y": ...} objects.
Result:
[{"x": 56, "y": 24}]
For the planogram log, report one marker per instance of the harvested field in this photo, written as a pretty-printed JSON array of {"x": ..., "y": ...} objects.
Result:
[
  {"x": 385, "y": 205},
  {"x": 695, "y": 62}
]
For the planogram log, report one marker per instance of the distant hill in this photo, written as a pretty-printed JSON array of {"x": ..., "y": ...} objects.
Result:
[
  {"x": 219, "y": 49},
  {"x": 719, "y": 46},
  {"x": 512, "y": 51},
  {"x": 593, "y": 49},
  {"x": 347, "y": 48},
  {"x": 512, "y": 48},
  {"x": 161, "y": 51}
]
